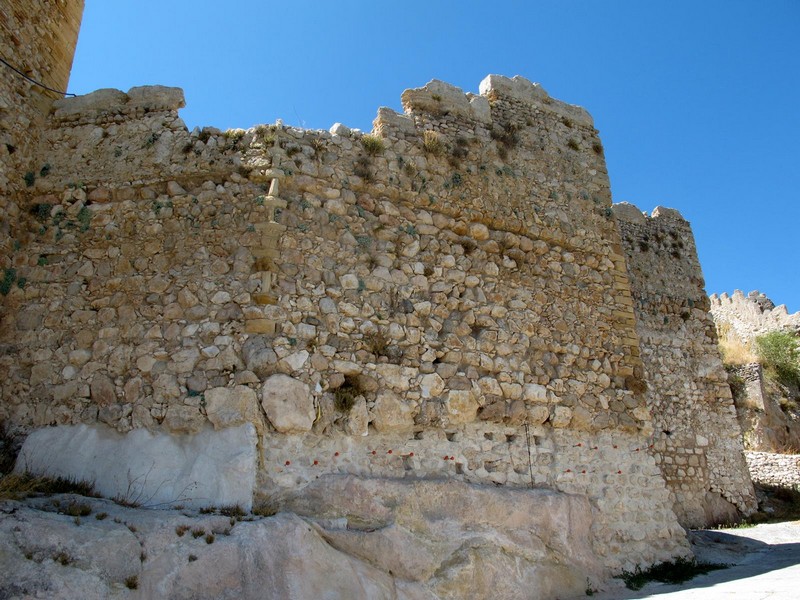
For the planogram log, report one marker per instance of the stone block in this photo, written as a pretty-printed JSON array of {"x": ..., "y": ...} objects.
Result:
[
  {"x": 208, "y": 468},
  {"x": 231, "y": 407},
  {"x": 288, "y": 404},
  {"x": 263, "y": 326}
]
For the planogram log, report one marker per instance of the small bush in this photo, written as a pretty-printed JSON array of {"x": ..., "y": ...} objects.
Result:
[
  {"x": 234, "y": 510},
  {"x": 432, "y": 142},
  {"x": 573, "y": 144},
  {"x": 78, "y": 509},
  {"x": 132, "y": 582},
  {"x": 30, "y": 178},
  {"x": 198, "y": 532},
  {"x": 779, "y": 352},
  {"x": 6, "y": 283},
  {"x": 362, "y": 169},
  {"x": 373, "y": 145},
  {"x": 264, "y": 507},
  {"x": 181, "y": 529},
  {"x": 344, "y": 397},
  {"x": 41, "y": 210},
  {"x": 680, "y": 570}
]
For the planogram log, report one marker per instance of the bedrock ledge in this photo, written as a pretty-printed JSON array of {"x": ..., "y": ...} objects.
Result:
[{"x": 210, "y": 468}]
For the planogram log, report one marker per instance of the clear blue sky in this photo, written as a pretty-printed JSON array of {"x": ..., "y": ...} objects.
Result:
[{"x": 697, "y": 102}]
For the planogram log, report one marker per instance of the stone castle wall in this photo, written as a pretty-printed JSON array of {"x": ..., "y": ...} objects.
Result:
[
  {"x": 446, "y": 297},
  {"x": 747, "y": 317},
  {"x": 38, "y": 38},
  {"x": 778, "y": 470},
  {"x": 697, "y": 441}
]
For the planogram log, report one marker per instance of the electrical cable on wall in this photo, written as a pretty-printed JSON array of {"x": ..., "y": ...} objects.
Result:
[{"x": 33, "y": 81}]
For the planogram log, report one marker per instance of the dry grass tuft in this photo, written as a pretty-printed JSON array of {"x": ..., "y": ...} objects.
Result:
[
  {"x": 734, "y": 352},
  {"x": 432, "y": 142},
  {"x": 16, "y": 486}
]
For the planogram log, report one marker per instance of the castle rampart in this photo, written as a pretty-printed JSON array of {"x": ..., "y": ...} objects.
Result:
[
  {"x": 424, "y": 292},
  {"x": 697, "y": 441},
  {"x": 450, "y": 297}
]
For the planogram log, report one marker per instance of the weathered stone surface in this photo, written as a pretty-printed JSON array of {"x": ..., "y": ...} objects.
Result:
[
  {"x": 390, "y": 413},
  {"x": 209, "y": 468},
  {"x": 461, "y": 406},
  {"x": 44, "y": 553},
  {"x": 524, "y": 543},
  {"x": 102, "y": 390},
  {"x": 288, "y": 404},
  {"x": 182, "y": 419},
  {"x": 230, "y": 407},
  {"x": 440, "y": 97},
  {"x": 156, "y": 97}
]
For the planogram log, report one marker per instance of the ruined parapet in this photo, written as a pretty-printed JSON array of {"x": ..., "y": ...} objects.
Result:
[
  {"x": 697, "y": 440},
  {"x": 745, "y": 317}
]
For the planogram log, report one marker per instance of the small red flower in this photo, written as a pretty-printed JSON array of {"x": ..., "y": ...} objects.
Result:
[
  {"x": 619, "y": 472},
  {"x": 584, "y": 471},
  {"x": 578, "y": 445},
  {"x": 288, "y": 462},
  {"x": 615, "y": 445},
  {"x": 389, "y": 452},
  {"x": 447, "y": 458},
  {"x": 411, "y": 454},
  {"x": 374, "y": 452},
  {"x": 336, "y": 454},
  {"x": 452, "y": 458},
  {"x": 316, "y": 462},
  {"x": 568, "y": 471},
  {"x": 637, "y": 450}
]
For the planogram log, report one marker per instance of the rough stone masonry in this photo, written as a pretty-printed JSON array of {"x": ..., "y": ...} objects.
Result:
[{"x": 451, "y": 296}]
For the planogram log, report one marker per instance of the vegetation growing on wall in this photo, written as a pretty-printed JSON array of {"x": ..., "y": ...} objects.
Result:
[{"x": 779, "y": 354}]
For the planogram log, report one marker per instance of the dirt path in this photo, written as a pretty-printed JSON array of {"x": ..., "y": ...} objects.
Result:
[{"x": 765, "y": 559}]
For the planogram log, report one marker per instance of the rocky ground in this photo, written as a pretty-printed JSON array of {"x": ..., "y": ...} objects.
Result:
[
  {"x": 348, "y": 537},
  {"x": 765, "y": 563}
]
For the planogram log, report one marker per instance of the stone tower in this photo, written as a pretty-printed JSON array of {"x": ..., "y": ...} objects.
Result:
[{"x": 37, "y": 38}]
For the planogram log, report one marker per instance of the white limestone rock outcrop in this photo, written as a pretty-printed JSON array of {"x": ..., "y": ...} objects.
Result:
[
  {"x": 208, "y": 468},
  {"x": 460, "y": 540},
  {"x": 355, "y": 538},
  {"x": 115, "y": 552}
]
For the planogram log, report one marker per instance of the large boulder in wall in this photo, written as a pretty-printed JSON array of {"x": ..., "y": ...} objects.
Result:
[{"x": 288, "y": 403}]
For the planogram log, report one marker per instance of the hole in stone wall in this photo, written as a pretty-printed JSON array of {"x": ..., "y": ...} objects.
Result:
[
  {"x": 491, "y": 465},
  {"x": 459, "y": 469},
  {"x": 489, "y": 436},
  {"x": 452, "y": 436},
  {"x": 344, "y": 397},
  {"x": 418, "y": 435},
  {"x": 511, "y": 438}
]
